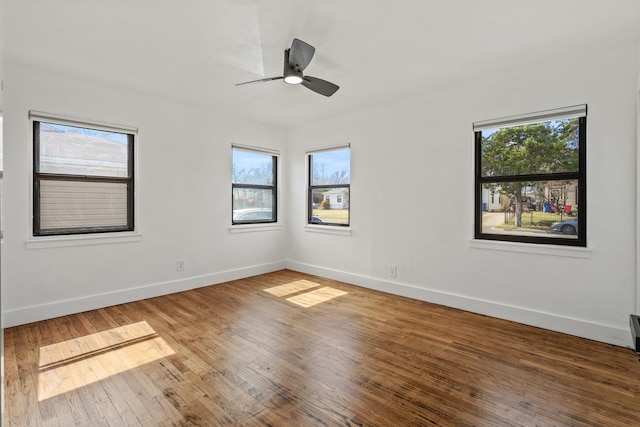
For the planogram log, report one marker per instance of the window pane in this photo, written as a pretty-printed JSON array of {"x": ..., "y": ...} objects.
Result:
[
  {"x": 250, "y": 204},
  {"x": 83, "y": 151},
  {"x": 252, "y": 168},
  {"x": 538, "y": 148},
  {"x": 330, "y": 205},
  {"x": 331, "y": 167},
  {"x": 542, "y": 209},
  {"x": 77, "y": 204}
]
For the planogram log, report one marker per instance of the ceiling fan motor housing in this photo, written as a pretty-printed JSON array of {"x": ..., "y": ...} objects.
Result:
[{"x": 292, "y": 75}]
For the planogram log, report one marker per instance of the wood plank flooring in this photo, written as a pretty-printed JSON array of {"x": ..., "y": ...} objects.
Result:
[{"x": 289, "y": 349}]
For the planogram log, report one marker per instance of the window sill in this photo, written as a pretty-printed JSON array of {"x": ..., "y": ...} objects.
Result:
[
  {"x": 327, "y": 229},
  {"x": 531, "y": 248},
  {"x": 253, "y": 228},
  {"x": 81, "y": 240}
]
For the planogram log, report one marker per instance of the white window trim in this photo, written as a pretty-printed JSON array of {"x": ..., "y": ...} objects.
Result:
[
  {"x": 253, "y": 228},
  {"x": 40, "y": 242},
  {"x": 532, "y": 248},
  {"x": 326, "y": 229},
  {"x": 257, "y": 227},
  {"x": 45, "y": 242}
]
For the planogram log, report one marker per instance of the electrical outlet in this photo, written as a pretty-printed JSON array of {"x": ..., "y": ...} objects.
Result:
[
  {"x": 180, "y": 265},
  {"x": 393, "y": 271}
]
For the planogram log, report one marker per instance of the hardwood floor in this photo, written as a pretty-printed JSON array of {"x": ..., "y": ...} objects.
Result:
[{"x": 288, "y": 349}]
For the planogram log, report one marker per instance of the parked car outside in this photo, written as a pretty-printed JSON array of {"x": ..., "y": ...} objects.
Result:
[
  {"x": 253, "y": 214},
  {"x": 316, "y": 220},
  {"x": 569, "y": 226}
]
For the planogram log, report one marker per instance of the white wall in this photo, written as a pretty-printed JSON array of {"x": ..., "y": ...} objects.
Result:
[
  {"x": 183, "y": 207},
  {"x": 637, "y": 311},
  {"x": 421, "y": 149}
]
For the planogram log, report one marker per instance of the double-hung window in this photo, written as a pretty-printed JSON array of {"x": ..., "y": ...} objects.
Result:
[
  {"x": 537, "y": 164},
  {"x": 329, "y": 184},
  {"x": 83, "y": 180},
  {"x": 254, "y": 185}
]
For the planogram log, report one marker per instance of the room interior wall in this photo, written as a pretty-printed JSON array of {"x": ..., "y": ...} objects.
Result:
[
  {"x": 1, "y": 322},
  {"x": 637, "y": 308},
  {"x": 183, "y": 202},
  {"x": 412, "y": 198}
]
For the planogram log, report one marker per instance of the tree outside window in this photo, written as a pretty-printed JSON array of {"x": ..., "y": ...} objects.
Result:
[
  {"x": 254, "y": 186},
  {"x": 538, "y": 168}
]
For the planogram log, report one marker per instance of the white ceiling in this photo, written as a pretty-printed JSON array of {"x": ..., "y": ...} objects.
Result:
[{"x": 377, "y": 51}]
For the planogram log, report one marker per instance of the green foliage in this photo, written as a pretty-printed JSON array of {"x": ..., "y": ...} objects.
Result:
[
  {"x": 549, "y": 147},
  {"x": 318, "y": 197},
  {"x": 539, "y": 148},
  {"x": 338, "y": 216},
  {"x": 537, "y": 219}
]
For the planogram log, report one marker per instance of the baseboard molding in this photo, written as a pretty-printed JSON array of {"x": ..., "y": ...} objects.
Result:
[
  {"x": 634, "y": 323},
  {"x": 581, "y": 328},
  {"x": 36, "y": 313},
  {"x": 604, "y": 333}
]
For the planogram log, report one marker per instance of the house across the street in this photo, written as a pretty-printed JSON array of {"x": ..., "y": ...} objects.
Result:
[{"x": 338, "y": 198}]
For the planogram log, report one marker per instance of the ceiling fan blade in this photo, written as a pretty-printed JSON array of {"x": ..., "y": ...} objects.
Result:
[
  {"x": 268, "y": 79},
  {"x": 320, "y": 86},
  {"x": 300, "y": 54}
]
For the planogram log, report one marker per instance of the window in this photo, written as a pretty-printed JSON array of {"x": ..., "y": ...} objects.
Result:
[
  {"x": 82, "y": 177},
  {"x": 254, "y": 186},
  {"x": 329, "y": 185},
  {"x": 537, "y": 163}
]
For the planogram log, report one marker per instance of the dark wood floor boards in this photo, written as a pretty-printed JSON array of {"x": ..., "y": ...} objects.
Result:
[{"x": 235, "y": 354}]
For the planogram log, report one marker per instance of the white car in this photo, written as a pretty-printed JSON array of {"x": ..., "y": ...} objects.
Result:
[{"x": 253, "y": 214}]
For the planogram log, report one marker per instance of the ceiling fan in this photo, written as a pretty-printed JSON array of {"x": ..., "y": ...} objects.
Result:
[{"x": 296, "y": 60}]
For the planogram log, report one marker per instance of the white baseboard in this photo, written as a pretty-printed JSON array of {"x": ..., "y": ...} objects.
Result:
[
  {"x": 581, "y": 328},
  {"x": 21, "y": 316}
]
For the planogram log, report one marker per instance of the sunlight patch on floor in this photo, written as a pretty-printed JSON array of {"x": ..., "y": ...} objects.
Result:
[
  {"x": 79, "y": 362},
  {"x": 305, "y": 299},
  {"x": 318, "y": 296},
  {"x": 292, "y": 288}
]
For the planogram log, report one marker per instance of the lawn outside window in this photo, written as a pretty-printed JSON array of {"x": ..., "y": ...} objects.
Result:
[
  {"x": 530, "y": 178},
  {"x": 329, "y": 186},
  {"x": 254, "y": 186},
  {"x": 83, "y": 178}
]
